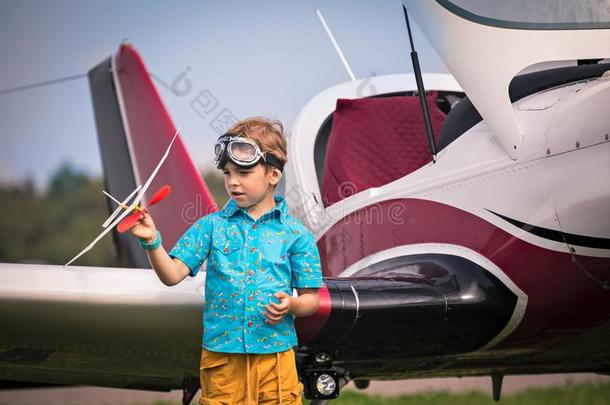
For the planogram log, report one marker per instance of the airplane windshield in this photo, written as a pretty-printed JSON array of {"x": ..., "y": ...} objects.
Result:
[{"x": 533, "y": 14}]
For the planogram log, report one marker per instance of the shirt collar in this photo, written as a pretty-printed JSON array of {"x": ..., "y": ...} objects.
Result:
[{"x": 231, "y": 207}]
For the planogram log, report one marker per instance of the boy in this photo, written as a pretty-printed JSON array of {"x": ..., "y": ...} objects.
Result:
[{"x": 256, "y": 254}]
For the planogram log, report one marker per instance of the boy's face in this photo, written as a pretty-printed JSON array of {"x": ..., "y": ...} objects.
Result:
[{"x": 249, "y": 186}]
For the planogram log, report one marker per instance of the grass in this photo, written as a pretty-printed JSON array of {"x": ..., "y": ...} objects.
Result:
[
  {"x": 586, "y": 393},
  {"x": 590, "y": 394}
]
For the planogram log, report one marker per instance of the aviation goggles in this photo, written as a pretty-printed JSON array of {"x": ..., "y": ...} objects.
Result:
[{"x": 242, "y": 151}]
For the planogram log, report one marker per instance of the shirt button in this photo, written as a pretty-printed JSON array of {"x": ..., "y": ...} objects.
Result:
[
  {"x": 253, "y": 249},
  {"x": 249, "y": 323},
  {"x": 254, "y": 226},
  {"x": 250, "y": 298}
]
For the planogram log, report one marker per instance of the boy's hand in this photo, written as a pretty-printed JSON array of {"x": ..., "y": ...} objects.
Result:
[
  {"x": 275, "y": 312},
  {"x": 145, "y": 228}
]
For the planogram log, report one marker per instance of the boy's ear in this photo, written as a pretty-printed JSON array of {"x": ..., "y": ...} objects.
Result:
[{"x": 276, "y": 175}]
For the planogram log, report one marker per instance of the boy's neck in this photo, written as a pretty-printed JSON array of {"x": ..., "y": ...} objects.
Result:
[{"x": 260, "y": 208}]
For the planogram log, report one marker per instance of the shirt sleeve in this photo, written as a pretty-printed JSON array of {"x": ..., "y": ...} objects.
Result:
[
  {"x": 193, "y": 247},
  {"x": 305, "y": 262}
]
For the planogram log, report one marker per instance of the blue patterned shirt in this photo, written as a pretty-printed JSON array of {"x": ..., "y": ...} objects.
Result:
[{"x": 248, "y": 262}]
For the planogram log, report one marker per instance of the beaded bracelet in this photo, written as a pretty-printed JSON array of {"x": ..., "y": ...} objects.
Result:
[{"x": 151, "y": 246}]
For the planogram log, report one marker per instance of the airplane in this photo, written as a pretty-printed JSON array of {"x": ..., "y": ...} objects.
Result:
[{"x": 488, "y": 255}]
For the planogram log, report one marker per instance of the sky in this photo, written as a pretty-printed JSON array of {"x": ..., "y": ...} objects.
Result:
[{"x": 257, "y": 58}]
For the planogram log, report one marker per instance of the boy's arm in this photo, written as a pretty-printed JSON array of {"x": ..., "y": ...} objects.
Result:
[
  {"x": 185, "y": 257},
  {"x": 306, "y": 275},
  {"x": 306, "y": 278},
  {"x": 306, "y": 303},
  {"x": 170, "y": 271}
]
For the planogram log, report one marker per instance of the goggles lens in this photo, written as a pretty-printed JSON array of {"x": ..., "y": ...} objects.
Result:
[{"x": 243, "y": 152}]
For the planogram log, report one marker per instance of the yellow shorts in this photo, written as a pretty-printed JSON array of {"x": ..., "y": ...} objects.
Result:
[{"x": 240, "y": 378}]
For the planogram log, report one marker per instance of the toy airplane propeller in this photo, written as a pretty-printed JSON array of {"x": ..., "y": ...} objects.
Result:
[
  {"x": 129, "y": 221},
  {"x": 122, "y": 219}
]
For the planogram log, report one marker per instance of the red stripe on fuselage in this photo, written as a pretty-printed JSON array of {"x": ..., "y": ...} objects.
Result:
[
  {"x": 308, "y": 327},
  {"x": 560, "y": 294}
]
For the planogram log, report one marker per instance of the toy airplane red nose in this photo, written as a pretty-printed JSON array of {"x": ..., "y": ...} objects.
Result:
[{"x": 131, "y": 220}]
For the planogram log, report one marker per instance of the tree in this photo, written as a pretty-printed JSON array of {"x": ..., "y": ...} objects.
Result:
[{"x": 66, "y": 180}]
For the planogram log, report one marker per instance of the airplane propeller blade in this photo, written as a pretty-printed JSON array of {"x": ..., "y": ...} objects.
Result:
[
  {"x": 128, "y": 222},
  {"x": 160, "y": 195}
]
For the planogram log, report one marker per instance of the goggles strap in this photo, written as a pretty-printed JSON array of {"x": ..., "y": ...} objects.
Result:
[{"x": 273, "y": 161}]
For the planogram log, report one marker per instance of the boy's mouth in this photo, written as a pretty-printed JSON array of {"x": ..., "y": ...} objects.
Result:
[{"x": 236, "y": 194}]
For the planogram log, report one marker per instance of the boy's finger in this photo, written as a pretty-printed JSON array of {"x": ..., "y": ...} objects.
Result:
[
  {"x": 272, "y": 317},
  {"x": 270, "y": 322},
  {"x": 279, "y": 307},
  {"x": 272, "y": 310},
  {"x": 275, "y": 317}
]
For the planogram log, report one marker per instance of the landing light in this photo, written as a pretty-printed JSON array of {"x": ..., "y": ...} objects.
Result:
[{"x": 325, "y": 384}]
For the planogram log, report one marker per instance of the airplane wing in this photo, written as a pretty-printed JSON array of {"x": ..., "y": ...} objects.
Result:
[{"x": 109, "y": 327}]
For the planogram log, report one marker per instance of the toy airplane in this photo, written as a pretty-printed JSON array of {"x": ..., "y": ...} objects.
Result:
[{"x": 123, "y": 221}]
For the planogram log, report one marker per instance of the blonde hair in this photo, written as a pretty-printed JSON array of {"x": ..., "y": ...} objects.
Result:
[{"x": 266, "y": 132}]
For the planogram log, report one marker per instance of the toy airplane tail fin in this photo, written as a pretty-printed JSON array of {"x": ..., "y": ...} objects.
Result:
[{"x": 134, "y": 129}]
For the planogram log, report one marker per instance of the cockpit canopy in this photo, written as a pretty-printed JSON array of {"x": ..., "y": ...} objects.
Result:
[{"x": 533, "y": 14}]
